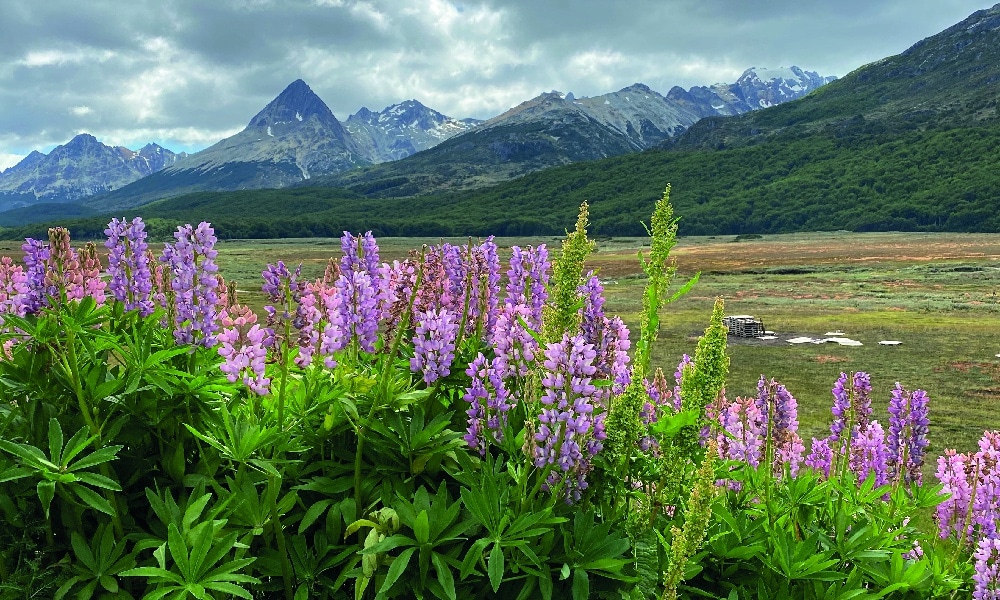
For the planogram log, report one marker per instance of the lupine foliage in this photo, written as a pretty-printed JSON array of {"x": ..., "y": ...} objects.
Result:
[{"x": 431, "y": 428}]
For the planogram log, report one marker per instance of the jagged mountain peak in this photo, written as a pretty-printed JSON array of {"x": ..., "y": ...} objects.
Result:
[
  {"x": 81, "y": 139},
  {"x": 402, "y": 129},
  {"x": 295, "y": 103},
  {"x": 641, "y": 88}
]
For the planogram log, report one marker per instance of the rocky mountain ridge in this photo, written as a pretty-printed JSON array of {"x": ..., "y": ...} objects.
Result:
[
  {"x": 79, "y": 168},
  {"x": 554, "y": 129}
]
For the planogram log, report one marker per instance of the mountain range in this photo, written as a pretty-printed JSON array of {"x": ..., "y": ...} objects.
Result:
[
  {"x": 79, "y": 168},
  {"x": 908, "y": 143},
  {"x": 296, "y": 138}
]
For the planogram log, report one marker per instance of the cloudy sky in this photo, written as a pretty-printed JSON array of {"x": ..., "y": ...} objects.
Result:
[{"x": 187, "y": 73}]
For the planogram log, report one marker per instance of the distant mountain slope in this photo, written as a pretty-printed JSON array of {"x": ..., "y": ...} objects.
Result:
[
  {"x": 402, "y": 129},
  {"x": 949, "y": 79},
  {"x": 554, "y": 129},
  {"x": 81, "y": 167}
]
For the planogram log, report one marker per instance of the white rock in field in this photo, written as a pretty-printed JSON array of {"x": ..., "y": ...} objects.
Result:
[{"x": 890, "y": 343}]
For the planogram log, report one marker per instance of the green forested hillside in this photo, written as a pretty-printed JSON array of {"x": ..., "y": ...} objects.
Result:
[{"x": 843, "y": 177}]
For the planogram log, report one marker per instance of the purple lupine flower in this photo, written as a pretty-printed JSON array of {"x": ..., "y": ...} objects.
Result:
[
  {"x": 128, "y": 265},
  {"x": 13, "y": 288},
  {"x": 309, "y": 320},
  {"x": 678, "y": 376},
  {"x": 986, "y": 504},
  {"x": 917, "y": 442},
  {"x": 512, "y": 344},
  {"x": 987, "y": 570},
  {"x": 592, "y": 311},
  {"x": 434, "y": 344},
  {"x": 852, "y": 403},
  {"x": 36, "y": 257},
  {"x": 953, "y": 473},
  {"x": 569, "y": 433},
  {"x": 333, "y": 337},
  {"x": 243, "y": 344},
  {"x": 660, "y": 396},
  {"x": 747, "y": 424},
  {"x": 541, "y": 272},
  {"x": 294, "y": 307},
  {"x": 489, "y": 400},
  {"x": 608, "y": 336},
  {"x": 487, "y": 283},
  {"x": 777, "y": 401},
  {"x": 820, "y": 457},
  {"x": 841, "y": 408},
  {"x": 455, "y": 271},
  {"x": 360, "y": 253},
  {"x": 396, "y": 283},
  {"x": 528, "y": 280},
  {"x": 869, "y": 455},
  {"x": 358, "y": 309},
  {"x": 433, "y": 291},
  {"x": 907, "y": 436},
  {"x": 192, "y": 264},
  {"x": 90, "y": 270}
]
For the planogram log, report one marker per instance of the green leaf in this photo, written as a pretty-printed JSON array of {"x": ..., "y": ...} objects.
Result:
[
  {"x": 97, "y": 457},
  {"x": 66, "y": 587},
  {"x": 444, "y": 575},
  {"x": 109, "y": 583},
  {"x": 194, "y": 511},
  {"x": 396, "y": 569},
  {"x": 472, "y": 557},
  {"x": 99, "y": 481},
  {"x": 29, "y": 454},
  {"x": 82, "y": 551},
  {"x": 76, "y": 444},
  {"x": 581, "y": 584},
  {"x": 228, "y": 588},
  {"x": 55, "y": 441},
  {"x": 495, "y": 567},
  {"x": 93, "y": 499},
  {"x": 315, "y": 512},
  {"x": 46, "y": 492},
  {"x": 179, "y": 551}
]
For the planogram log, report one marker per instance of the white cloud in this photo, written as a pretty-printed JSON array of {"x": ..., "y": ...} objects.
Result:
[
  {"x": 9, "y": 160},
  {"x": 54, "y": 57},
  {"x": 81, "y": 111}
]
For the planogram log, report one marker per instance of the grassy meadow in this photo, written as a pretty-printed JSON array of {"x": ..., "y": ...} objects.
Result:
[{"x": 935, "y": 293}]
